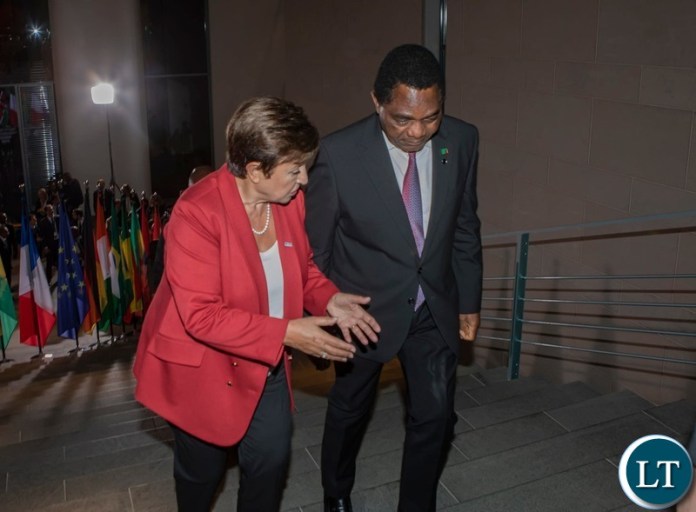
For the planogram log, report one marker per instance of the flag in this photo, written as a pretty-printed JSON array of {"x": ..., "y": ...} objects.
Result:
[
  {"x": 156, "y": 224},
  {"x": 36, "y": 312},
  {"x": 90, "y": 268},
  {"x": 130, "y": 295},
  {"x": 118, "y": 288},
  {"x": 138, "y": 261},
  {"x": 144, "y": 230},
  {"x": 102, "y": 263},
  {"x": 8, "y": 315},
  {"x": 73, "y": 303},
  {"x": 145, "y": 234}
]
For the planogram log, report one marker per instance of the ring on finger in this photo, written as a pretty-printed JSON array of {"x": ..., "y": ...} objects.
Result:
[{"x": 323, "y": 355}]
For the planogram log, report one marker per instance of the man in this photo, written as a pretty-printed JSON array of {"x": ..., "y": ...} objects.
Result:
[
  {"x": 101, "y": 191},
  {"x": 72, "y": 193},
  {"x": 391, "y": 213},
  {"x": 48, "y": 235},
  {"x": 7, "y": 246}
]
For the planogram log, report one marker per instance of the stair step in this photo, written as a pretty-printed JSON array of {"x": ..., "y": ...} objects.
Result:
[
  {"x": 500, "y": 437},
  {"x": 75, "y": 446},
  {"x": 526, "y": 464},
  {"x": 570, "y": 487},
  {"x": 599, "y": 409},
  {"x": 55, "y": 417},
  {"x": 491, "y": 375},
  {"x": 496, "y": 391},
  {"x": 548, "y": 397},
  {"x": 56, "y": 471},
  {"x": 680, "y": 416}
]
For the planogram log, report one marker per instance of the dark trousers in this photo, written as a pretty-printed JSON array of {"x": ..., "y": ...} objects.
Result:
[
  {"x": 263, "y": 454},
  {"x": 429, "y": 367}
]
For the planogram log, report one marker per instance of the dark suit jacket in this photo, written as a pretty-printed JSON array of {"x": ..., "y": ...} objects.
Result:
[
  {"x": 48, "y": 233},
  {"x": 362, "y": 240}
]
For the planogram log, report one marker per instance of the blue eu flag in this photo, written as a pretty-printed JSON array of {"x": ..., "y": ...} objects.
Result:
[{"x": 73, "y": 303}]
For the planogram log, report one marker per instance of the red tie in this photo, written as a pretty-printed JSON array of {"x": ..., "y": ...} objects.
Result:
[{"x": 411, "y": 194}]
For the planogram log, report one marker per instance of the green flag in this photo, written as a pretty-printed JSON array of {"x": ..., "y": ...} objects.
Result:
[
  {"x": 118, "y": 286},
  {"x": 126, "y": 270},
  {"x": 8, "y": 314}
]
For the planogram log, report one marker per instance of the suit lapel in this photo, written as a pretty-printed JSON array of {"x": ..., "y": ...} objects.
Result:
[
  {"x": 444, "y": 177},
  {"x": 378, "y": 166}
]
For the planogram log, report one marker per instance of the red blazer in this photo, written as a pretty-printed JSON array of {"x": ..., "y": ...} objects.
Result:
[{"x": 207, "y": 343}]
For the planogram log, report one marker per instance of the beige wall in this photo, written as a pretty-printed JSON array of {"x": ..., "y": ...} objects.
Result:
[
  {"x": 97, "y": 41},
  {"x": 586, "y": 112},
  {"x": 587, "y": 103},
  {"x": 247, "y": 57},
  {"x": 321, "y": 54}
]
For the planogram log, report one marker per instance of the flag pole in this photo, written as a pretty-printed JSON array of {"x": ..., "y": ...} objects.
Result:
[
  {"x": 77, "y": 348},
  {"x": 4, "y": 355},
  {"x": 41, "y": 353},
  {"x": 38, "y": 336}
]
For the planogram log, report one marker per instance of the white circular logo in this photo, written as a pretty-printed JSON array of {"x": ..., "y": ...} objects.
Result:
[{"x": 655, "y": 472}]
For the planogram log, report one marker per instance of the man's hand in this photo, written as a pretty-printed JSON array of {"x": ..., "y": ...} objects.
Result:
[
  {"x": 468, "y": 326},
  {"x": 352, "y": 318}
]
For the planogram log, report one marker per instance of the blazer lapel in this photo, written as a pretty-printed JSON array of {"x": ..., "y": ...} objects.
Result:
[
  {"x": 238, "y": 220},
  {"x": 378, "y": 166}
]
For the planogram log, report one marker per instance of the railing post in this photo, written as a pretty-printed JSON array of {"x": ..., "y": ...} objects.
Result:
[{"x": 518, "y": 307}]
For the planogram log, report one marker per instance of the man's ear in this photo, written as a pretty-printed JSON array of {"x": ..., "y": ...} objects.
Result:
[
  {"x": 375, "y": 102},
  {"x": 254, "y": 171}
]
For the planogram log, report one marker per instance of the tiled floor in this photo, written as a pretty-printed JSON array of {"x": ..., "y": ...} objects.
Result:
[{"x": 73, "y": 439}]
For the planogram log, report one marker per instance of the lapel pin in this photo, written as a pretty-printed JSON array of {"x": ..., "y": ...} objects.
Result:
[{"x": 443, "y": 154}]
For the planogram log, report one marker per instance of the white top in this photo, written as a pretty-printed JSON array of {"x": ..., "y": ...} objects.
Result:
[
  {"x": 424, "y": 162},
  {"x": 274, "y": 280}
]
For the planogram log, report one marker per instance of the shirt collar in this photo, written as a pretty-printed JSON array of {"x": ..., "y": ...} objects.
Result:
[{"x": 392, "y": 148}]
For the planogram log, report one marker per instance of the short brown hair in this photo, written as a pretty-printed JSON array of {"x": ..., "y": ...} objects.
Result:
[{"x": 269, "y": 131}]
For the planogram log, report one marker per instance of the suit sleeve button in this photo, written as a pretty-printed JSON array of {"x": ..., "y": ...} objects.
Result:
[{"x": 229, "y": 383}]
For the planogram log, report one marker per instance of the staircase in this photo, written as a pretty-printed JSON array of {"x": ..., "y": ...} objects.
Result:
[{"x": 73, "y": 439}]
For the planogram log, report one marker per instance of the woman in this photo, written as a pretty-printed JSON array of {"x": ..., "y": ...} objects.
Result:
[{"x": 212, "y": 356}]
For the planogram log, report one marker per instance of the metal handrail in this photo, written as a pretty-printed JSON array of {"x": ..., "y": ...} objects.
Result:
[{"x": 566, "y": 233}]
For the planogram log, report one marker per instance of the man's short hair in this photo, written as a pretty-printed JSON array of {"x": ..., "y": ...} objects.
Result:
[
  {"x": 270, "y": 131},
  {"x": 198, "y": 173},
  {"x": 412, "y": 65}
]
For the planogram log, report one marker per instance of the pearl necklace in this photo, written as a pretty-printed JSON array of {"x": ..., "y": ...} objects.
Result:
[{"x": 267, "y": 224}]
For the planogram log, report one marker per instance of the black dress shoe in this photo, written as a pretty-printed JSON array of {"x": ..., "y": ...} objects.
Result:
[{"x": 337, "y": 504}]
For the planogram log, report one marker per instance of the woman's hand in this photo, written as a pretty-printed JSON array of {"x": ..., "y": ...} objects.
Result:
[
  {"x": 306, "y": 334},
  {"x": 351, "y": 318}
]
